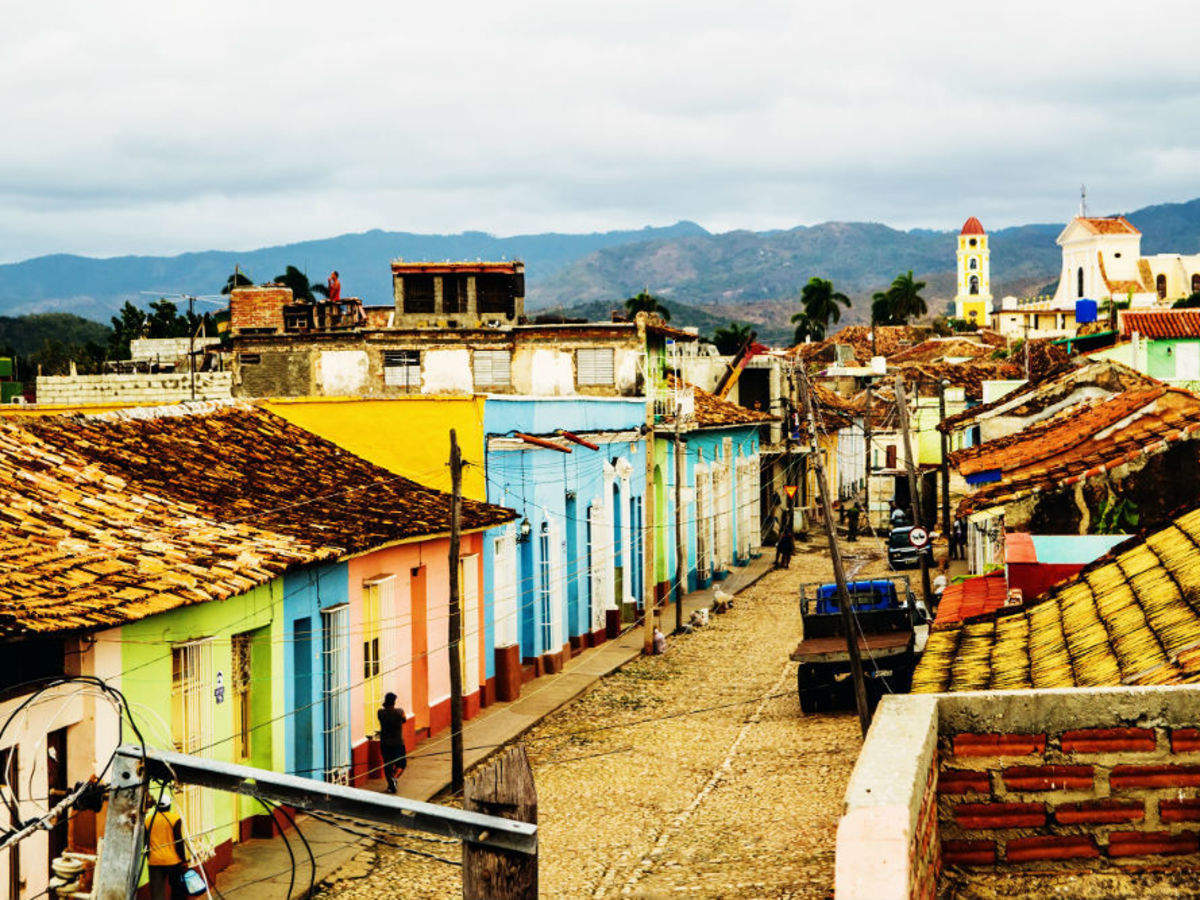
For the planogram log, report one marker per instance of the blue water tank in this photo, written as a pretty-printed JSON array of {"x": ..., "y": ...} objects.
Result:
[{"x": 1085, "y": 311}]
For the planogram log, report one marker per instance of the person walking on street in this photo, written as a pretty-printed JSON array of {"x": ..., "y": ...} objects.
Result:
[
  {"x": 166, "y": 851},
  {"x": 852, "y": 522},
  {"x": 784, "y": 548},
  {"x": 391, "y": 740}
]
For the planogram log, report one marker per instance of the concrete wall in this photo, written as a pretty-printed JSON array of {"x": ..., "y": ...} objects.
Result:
[{"x": 173, "y": 387}]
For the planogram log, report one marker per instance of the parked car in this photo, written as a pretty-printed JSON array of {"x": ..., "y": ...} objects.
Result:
[{"x": 902, "y": 554}]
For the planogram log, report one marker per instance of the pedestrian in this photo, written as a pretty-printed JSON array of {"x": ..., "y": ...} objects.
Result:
[
  {"x": 334, "y": 287},
  {"x": 960, "y": 538},
  {"x": 784, "y": 548},
  {"x": 391, "y": 740},
  {"x": 166, "y": 851},
  {"x": 852, "y": 521},
  {"x": 940, "y": 582},
  {"x": 660, "y": 642},
  {"x": 898, "y": 518}
]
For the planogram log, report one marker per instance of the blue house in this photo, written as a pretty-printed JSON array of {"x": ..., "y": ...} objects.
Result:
[{"x": 565, "y": 572}]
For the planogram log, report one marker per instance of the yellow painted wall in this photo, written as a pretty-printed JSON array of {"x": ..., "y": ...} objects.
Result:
[{"x": 407, "y": 435}]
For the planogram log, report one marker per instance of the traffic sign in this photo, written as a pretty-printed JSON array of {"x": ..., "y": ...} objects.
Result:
[
  {"x": 791, "y": 490},
  {"x": 918, "y": 537}
]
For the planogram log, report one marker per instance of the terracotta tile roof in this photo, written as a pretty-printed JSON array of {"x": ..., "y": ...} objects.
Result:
[
  {"x": 712, "y": 412},
  {"x": 110, "y": 518},
  {"x": 1107, "y": 225},
  {"x": 1079, "y": 443},
  {"x": 888, "y": 340},
  {"x": 1131, "y": 617},
  {"x": 969, "y": 598},
  {"x": 972, "y": 226},
  {"x": 1043, "y": 393},
  {"x": 937, "y": 349},
  {"x": 1174, "y": 323}
]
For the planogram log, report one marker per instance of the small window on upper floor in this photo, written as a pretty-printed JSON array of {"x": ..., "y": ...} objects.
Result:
[
  {"x": 974, "y": 263},
  {"x": 493, "y": 368},
  {"x": 594, "y": 366},
  {"x": 972, "y": 242},
  {"x": 418, "y": 294},
  {"x": 402, "y": 369}
]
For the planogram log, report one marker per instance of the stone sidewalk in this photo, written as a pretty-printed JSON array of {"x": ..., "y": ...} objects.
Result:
[{"x": 263, "y": 862}]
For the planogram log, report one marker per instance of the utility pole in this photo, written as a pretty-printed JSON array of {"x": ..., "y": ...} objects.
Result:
[
  {"x": 839, "y": 573},
  {"x": 942, "y": 385},
  {"x": 680, "y": 555},
  {"x": 456, "y": 698},
  {"x": 192, "y": 342},
  {"x": 913, "y": 494},
  {"x": 648, "y": 530},
  {"x": 867, "y": 441}
]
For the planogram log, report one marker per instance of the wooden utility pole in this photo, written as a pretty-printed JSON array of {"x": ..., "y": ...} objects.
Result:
[
  {"x": 839, "y": 573},
  {"x": 914, "y": 495},
  {"x": 504, "y": 788},
  {"x": 867, "y": 426},
  {"x": 192, "y": 342},
  {"x": 680, "y": 554},
  {"x": 942, "y": 385},
  {"x": 455, "y": 642}
]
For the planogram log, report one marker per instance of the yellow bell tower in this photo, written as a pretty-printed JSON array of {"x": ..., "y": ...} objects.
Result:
[{"x": 973, "y": 302}]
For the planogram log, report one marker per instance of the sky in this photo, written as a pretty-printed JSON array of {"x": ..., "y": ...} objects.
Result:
[{"x": 155, "y": 128}]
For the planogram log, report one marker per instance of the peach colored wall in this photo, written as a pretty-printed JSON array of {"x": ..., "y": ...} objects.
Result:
[{"x": 397, "y": 632}]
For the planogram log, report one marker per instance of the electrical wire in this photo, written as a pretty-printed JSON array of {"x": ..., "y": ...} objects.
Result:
[{"x": 312, "y": 860}]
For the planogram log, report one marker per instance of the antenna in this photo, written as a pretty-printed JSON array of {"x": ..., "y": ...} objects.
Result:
[{"x": 1083, "y": 201}]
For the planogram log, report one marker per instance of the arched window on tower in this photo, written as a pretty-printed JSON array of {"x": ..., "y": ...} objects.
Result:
[
  {"x": 974, "y": 263},
  {"x": 974, "y": 284},
  {"x": 1196, "y": 283},
  {"x": 1161, "y": 283},
  {"x": 1079, "y": 282}
]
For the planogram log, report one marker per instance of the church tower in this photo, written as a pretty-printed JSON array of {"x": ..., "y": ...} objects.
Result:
[{"x": 973, "y": 302}]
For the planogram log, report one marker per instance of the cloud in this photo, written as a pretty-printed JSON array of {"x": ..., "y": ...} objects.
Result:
[{"x": 145, "y": 127}]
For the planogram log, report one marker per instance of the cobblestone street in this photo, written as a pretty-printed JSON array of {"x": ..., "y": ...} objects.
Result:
[{"x": 690, "y": 774}]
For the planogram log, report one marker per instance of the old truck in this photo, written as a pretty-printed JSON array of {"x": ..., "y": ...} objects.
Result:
[{"x": 892, "y": 627}]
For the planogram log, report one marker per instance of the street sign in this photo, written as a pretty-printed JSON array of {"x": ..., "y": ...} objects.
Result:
[
  {"x": 918, "y": 537},
  {"x": 790, "y": 489}
]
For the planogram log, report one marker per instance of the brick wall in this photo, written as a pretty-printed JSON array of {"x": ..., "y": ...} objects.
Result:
[
  {"x": 258, "y": 308},
  {"x": 170, "y": 387},
  {"x": 924, "y": 857},
  {"x": 1100, "y": 794}
]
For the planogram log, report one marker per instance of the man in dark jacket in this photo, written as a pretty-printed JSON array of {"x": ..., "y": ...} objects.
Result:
[{"x": 391, "y": 740}]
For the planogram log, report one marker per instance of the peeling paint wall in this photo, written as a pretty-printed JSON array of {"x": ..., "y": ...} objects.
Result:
[
  {"x": 342, "y": 371},
  {"x": 447, "y": 372}
]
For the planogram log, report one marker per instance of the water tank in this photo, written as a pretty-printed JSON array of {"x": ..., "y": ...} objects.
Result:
[{"x": 1085, "y": 311}]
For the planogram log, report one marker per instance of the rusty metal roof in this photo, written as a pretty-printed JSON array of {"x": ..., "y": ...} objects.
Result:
[{"x": 114, "y": 517}]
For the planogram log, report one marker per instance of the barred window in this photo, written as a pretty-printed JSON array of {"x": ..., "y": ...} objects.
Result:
[
  {"x": 402, "y": 368},
  {"x": 492, "y": 368}
]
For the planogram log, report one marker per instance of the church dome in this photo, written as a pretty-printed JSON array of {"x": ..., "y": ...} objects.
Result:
[{"x": 972, "y": 226}]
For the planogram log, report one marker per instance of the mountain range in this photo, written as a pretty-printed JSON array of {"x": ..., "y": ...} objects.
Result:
[{"x": 705, "y": 277}]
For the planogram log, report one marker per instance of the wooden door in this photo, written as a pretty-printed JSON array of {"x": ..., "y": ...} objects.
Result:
[{"x": 420, "y": 650}]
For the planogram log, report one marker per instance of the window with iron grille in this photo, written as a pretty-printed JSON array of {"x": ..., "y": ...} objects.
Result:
[
  {"x": 402, "y": 369},
  {"x": 192, "y": 732},
  {"x": 544, "y": 588},
  {"x": 594, "y": 365},
  {"x": 495, "y": 293},
  {"x": 454, "y": 293},
  {"x": 492, "y": 368}
]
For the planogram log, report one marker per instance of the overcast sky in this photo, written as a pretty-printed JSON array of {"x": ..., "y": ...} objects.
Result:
[{"x": 157, "y": 127}]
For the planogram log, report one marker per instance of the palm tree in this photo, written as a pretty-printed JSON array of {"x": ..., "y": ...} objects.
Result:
[
  {"x": 236, "y": 280},
  {"x": 805, "y": 329},
  {"x": 905, "y": 300},
  {"x": 732, "y": 339},
  {"x": 646, "y": 302},
  {"x": 821, "y": 304},
  {"x": 302, "y": 290}
]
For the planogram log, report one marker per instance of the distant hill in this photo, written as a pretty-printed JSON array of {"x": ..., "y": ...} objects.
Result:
[
  {"x": 26, "y": 335},
  {"x": 759, "y": 274},
  {"x": 96, "y": 288},
  {"x": 709, "y": 278}
]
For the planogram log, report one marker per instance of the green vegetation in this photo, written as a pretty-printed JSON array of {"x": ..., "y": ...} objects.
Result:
[
  {"x": 1190, "y": 302},
  {"x": 822, "y": 305},
  {"x": 162, "y": 321},
  {"x": 1117, "y": 515},
  {"x": 731, "y": 339},
  {"x": 236, "y": 280},
  {"x": 53, "y": 341},
  {"x": 644, "y": 301},
  {"x": 901, "y": 302}
]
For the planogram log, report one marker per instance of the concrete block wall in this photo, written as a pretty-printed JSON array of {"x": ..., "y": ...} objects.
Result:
[{"x": 172, "y": 387}]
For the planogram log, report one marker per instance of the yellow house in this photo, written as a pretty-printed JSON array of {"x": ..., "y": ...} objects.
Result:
[{"x": 407, "y": 434}]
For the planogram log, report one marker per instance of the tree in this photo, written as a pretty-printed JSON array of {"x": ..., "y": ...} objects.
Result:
[
  {"x": 644, "y": 301},
  {"x": 129, "y": 324},
  {"x": 302, "y": 290},
  {"x": 904, "y": 298},
  {"x": 822, "y": 304},
  {"x": 236, "y": 280},
  {"x": 805, "y": 329},
  {"x": 732, "y": 339},
  {"x": 1187, "y": 302},
  {"x": 881, "y": 310}
]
